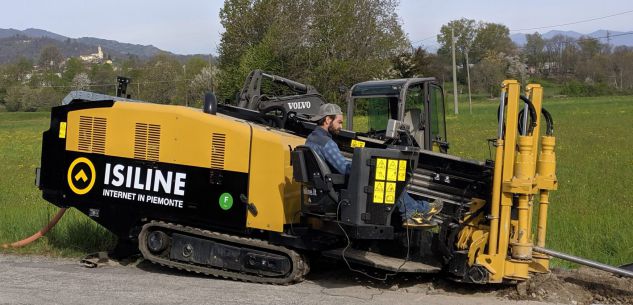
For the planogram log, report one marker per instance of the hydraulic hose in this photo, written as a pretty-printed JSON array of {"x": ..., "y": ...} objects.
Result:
[
  {"x": 531, "y": 111},
  {"x": 550, "y": 122},
  {"x": 40, "y": 233}
]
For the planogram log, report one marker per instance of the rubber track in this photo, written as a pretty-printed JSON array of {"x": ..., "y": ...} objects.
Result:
[{"x": 299, "y": 266}]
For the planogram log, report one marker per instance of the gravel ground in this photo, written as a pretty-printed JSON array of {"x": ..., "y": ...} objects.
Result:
[{"x": 43, "y": 280}]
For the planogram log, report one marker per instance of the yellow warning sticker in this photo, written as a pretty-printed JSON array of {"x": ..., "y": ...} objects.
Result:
[
  {"x": 402, "y": 170},
  {"x": 62, "y": 130},
  {"x": 390, "y": 193},
  {"x": 392, "y": 170},
  {"x": 356, "y": 143},
  {"x": 379, "y": 191},
  {"x": 381, "y": 168}
]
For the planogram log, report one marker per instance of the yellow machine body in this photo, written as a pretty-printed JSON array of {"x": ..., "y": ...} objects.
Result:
[{"x": 189, "y": 137}]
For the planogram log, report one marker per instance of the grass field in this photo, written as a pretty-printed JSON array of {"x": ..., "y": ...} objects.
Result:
[
  {"x": 23, "y": 211},
  {"x": 590, "y": 214}
]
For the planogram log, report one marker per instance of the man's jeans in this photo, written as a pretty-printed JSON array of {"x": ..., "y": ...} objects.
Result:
[{"x": 408, "y": 206}]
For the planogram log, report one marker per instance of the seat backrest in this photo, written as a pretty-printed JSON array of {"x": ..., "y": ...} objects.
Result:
[
  {"x": 413, "y": 118},
  {"x": 308, "y": 167}
]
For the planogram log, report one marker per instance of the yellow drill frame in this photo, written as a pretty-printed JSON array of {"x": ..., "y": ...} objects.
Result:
[{"x": 504, "y": 247}]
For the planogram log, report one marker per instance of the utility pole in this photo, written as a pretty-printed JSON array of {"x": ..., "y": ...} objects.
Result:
[
  {"x": 454, "y": 70},
  {"x": 470, "y": 101}
]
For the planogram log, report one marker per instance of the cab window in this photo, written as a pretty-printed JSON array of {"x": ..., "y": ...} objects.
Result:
[
  {"x": 414, "y": 111},
  {"x": 371, "y": 114},
  {"x": 438, "y": 123}
]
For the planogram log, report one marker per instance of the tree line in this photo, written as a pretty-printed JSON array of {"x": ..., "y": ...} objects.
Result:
[
  {"x": 31, "y": 86},
  {"x": 330, "y": 45}
]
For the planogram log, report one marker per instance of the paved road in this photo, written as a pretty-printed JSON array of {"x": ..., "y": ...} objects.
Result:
[{"x": 41, "y": 280}]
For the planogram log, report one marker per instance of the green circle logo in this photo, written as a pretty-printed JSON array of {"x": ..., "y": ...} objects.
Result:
[{"x": 225, "y": 201}]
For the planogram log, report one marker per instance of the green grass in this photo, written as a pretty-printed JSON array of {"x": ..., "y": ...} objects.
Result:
[
  {"x": 23, "y": 211},
  {"x": 590, "y": 214}
]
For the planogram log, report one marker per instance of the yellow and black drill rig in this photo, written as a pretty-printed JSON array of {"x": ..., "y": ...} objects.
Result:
[{"x": 231, "y": 191}]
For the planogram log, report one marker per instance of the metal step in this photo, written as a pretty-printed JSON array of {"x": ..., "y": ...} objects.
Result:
[{"x": 383, "y": 262}]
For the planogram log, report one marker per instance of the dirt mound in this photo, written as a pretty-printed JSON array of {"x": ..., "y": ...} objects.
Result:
[{"x": 581, "y": 286}]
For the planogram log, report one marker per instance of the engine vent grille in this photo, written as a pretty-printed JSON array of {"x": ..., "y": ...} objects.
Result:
[
  {"x": 218, "y": 146},
  {"x": 92, "y": 134},
  {"x": 147, "y": 142}
]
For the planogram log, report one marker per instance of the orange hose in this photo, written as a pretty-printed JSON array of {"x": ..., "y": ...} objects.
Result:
[{"x": 40, "y": 233}]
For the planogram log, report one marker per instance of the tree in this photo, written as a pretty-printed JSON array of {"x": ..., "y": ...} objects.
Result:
[
  {"x": 534, "y": 51},
  {"x": 465, "y": 31},
  {"x": 103, "y": 78},
  {"x": 81, "y": 81},
  {"x": 23, "y": 98},
  {"x": 491, "y": 38},
  {"x": 18, "y": 72},
  {"x": 622, "y": 66},
  {"x": 478, "y": 39},
  {"x": 203, "y": 82},
  {"x": 589, "y": 47},
  {"x": 516, "y": 68},
  {"x": 73, "y": 67},
  {"x": 323, "y": 43},
  {"x": 161, "y": 74},
  {"x": 50, "y": 58},
  {"x": 489, "y": 73},
  {"x": 411, "y": 64}
]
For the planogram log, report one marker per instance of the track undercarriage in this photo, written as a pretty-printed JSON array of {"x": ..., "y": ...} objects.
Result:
[{"x": 221, "y": 255}]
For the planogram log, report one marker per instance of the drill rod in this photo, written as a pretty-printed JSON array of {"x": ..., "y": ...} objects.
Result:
[{"x": 583, "y": 261}]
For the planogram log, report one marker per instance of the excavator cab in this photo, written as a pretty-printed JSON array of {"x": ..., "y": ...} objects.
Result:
[{"x": 413, "y": 106}]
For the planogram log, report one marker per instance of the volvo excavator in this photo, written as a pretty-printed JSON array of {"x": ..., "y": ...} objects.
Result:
[{"x": 231, "y": 191}]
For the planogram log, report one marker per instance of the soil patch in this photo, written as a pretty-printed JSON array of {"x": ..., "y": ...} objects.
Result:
[{"x": 580, "y": 286}]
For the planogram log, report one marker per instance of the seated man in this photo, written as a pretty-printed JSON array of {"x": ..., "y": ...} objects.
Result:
[{"x": 415, "y": 213}]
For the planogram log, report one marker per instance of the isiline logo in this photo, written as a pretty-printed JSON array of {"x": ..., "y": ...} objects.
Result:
[{"x": 81, "y": 176}]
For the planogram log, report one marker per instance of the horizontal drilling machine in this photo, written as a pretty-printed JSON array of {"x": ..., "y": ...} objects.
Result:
[{"x": 231, "y": 190}]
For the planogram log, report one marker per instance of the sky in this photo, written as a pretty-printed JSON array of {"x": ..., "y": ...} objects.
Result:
[{"x": 193, "y": 26}]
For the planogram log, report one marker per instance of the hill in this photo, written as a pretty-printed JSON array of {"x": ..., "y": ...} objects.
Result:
[{"x": 29, "y": 43}]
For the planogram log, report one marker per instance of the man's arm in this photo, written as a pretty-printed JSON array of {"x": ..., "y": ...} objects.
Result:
[{"x": 333, "y": 156}]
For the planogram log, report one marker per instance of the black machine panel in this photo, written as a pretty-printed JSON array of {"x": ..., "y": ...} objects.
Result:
[
  {"x": 118, "y": 192},
  {"x": 377, "y": 179}
]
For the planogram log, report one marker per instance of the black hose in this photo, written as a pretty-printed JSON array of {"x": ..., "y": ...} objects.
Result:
[
  {"x": 531, "y": 121},
  {"x": 550, "y": 122}
]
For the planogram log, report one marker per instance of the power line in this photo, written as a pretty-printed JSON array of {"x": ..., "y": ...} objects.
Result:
[
  {"x": 588, "y": 38},
  {"x": 423, "y": 39},
  {"x": 574, "y": 40},
  {"x": 570, "y": 23},
  {"x": 550, "y": 26}
]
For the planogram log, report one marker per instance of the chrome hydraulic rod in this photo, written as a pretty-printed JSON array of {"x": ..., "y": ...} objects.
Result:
[
  {"x": 583, "y": 261},
  {"x": 502, "y": 106}
]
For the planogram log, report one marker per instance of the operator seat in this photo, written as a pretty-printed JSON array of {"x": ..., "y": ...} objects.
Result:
[{"x": 319, "y": 183}]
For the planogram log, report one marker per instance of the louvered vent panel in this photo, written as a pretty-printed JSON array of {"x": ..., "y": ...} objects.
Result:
[
  {"x": 153, "y": 142},
  {"x": 140, "y": 141},
  {"x": 147, "y": 142},
  {"x": 92, "y": 134},
  {"x": 218, "y": 146},
  {"x": 85, "y": 134},
  {"x": 99, "y": 135}
]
